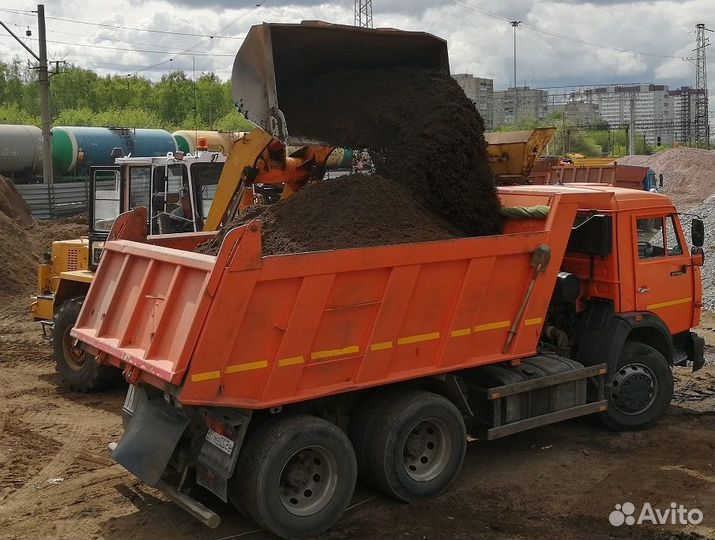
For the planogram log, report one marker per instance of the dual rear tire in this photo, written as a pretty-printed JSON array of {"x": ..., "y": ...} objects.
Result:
[
  {"x": 296, "y": 474},
  {"x": 414, "y": 446}
]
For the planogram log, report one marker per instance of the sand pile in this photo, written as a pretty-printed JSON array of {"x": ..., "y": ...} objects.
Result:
[
  {"x": 427, "y": 143},
  {"x": 23, "y": 241},
  {"x": 16, "y": 260},
  {"x": 12, "y": 204},
  {"x": 688, "y": 173}
]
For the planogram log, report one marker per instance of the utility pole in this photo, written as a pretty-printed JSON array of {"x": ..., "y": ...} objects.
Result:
[
  {"x": 43, "y": 80},
  {"x": 363, "y": 13},
  {"x": 515, "y": 25},
  {"x": 702, "y": 124}
]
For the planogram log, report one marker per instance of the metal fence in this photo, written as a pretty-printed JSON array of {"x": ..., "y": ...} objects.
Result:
[{"x": 56, "y": 200}]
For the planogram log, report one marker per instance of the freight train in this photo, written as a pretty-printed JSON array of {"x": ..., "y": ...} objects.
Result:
[{"x": 75, "y": 149}]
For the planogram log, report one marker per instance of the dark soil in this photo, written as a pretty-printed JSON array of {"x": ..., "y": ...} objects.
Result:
[
  {"x": 427, "y": 143},
  {"x": 419, "y": 128},
  {"x": 347, "y": 212}
]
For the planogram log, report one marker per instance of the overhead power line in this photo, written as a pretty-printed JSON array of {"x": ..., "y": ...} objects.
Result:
[
  {"x": 573, "y": 39},
  {"x": 186, "y": 51},
  {"x": 122, "y": 27},
  {"x": 95, "y": 46}
]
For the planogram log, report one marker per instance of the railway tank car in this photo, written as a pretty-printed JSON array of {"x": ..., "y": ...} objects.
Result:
[
  {"x": 75, "y": 149},
  {"x": 20, "y": 152}
]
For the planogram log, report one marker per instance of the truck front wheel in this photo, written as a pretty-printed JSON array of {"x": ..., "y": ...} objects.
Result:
[
  {"x": 417, "y": 446},
  {"x": 640, "y": 388},
  {"x": 79, "y": 369},
  {"x": 296, "y": 476}
]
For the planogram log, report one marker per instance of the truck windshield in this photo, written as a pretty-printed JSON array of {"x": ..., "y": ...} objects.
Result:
[
  {"x": 106, "y": 199},
  {"x": 206, "y": 177}
]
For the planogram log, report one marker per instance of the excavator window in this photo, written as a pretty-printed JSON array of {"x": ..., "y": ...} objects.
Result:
[
  {"x": 107, "y": 190},
  {"x": 205, "y": 176},
  {"x": 139, "y": 179}
]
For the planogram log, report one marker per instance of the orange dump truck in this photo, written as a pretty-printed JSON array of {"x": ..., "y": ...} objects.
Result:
[{"x": 273, "y": 381}]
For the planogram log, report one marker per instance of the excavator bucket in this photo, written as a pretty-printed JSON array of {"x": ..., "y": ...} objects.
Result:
[
  {"x": 274, "y": 56},
  {"x": 512, "y": 154}
]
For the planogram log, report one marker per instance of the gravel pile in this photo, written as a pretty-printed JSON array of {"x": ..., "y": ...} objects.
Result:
[
  {"x": 688, "y": 173},
  {"x": 706, "y": 211}
]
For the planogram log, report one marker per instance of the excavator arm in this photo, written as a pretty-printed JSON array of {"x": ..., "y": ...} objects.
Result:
[{"x": 259, "y": 158}]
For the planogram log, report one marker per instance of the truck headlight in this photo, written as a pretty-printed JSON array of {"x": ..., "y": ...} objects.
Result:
[{"x": 97, "y": 249}]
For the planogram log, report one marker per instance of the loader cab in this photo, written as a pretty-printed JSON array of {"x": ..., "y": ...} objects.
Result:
[
  {"x": 156, "y": 184},
  {"x": 188, "y": 180}
]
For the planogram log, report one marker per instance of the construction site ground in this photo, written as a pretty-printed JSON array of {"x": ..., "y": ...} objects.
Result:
[{"x": 57, "y": 479}]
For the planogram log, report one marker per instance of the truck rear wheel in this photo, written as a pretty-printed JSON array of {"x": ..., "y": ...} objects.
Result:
[
  {"x": 417, "y": 446},
  {"x": 296, "y": 476},
  {"x": 362, "y": 426},
  {"x": 640, "y": 389},
  {"x": 79, "y": 369}
]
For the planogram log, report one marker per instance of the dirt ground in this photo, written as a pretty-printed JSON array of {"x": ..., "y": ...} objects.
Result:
[{"x": 58, "y": 481}]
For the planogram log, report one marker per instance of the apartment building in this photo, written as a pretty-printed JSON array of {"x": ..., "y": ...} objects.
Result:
[{"x": 481, "y": 92}]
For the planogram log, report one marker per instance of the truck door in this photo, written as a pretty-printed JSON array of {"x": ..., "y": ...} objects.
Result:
[{"x": 663, "y": 277}]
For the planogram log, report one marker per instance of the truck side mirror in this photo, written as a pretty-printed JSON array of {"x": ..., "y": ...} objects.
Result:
[{"x": 697, "y": 232}]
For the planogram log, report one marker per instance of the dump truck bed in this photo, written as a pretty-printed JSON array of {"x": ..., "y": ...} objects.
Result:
[{"x": 245, "y": 330}]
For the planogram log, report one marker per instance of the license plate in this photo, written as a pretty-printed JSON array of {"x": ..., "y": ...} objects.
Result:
[{"x": 219, "y": 441}]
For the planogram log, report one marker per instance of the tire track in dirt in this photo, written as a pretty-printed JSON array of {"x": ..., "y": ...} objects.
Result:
[{"x": 33, "y": 488}]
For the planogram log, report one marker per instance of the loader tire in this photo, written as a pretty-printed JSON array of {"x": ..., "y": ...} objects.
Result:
[
  {"x": 79, "y": 369},
  {"x": 417, "y": 447},
  {"x": 296, "y": 475},
  {"x": 639, "y": 389}
]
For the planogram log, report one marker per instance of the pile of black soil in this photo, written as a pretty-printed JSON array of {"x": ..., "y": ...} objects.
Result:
[
  {"x": 419, "y": 128},
  {"x": 426, "y": 140},
  {"x": 346, "y": 212}
]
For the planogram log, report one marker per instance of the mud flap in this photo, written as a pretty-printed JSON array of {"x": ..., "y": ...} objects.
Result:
[
  {"x": 150, "y": 438},
  {"x": 696, "y": 351}
]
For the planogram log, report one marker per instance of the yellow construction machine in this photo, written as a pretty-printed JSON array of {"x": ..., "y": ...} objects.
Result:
[{"x": 512, "y": 154}]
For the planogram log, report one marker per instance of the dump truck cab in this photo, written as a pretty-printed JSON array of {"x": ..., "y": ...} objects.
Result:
[
  {"x": 639, "y": 278},
  {"x": 156, "y": 183}
]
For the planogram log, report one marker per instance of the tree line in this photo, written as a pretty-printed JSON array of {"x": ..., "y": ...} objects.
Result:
[{"x": 81, "y": 97}]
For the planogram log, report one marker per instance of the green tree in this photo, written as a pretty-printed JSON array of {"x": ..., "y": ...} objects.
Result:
[
  {"x": 173, "y": 98},
  {"x": 233, "y": 121},
  {"x": 75, "y": 117},
  {"x": 11, "y": 113},
  {"x": 75, "y": 88}
]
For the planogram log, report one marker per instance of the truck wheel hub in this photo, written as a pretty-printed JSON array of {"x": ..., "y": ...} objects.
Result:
[
  {"x": 426, "y": 451},
  {"x": 633, "y": 389},
  {"x": 74, "y": 356},
  {"x": 308, "y": 481}
]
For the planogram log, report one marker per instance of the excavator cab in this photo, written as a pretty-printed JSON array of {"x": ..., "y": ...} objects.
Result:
[{"x": 274, "y": 58}]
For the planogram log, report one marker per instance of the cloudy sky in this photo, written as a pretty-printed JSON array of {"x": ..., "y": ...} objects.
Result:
[{"x": 560, "y": 42}]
